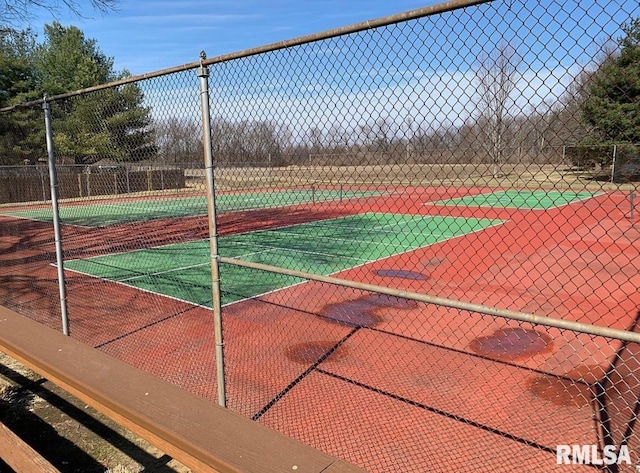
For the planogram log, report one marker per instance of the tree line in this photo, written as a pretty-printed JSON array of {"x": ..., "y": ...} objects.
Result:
[{"x": 601, "y": 107}]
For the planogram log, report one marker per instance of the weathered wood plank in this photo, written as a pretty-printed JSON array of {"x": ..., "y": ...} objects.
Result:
[{"x": 20, "y": 456}]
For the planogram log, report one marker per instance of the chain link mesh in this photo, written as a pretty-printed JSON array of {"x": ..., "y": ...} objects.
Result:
[{"x": 487, "y": 155}]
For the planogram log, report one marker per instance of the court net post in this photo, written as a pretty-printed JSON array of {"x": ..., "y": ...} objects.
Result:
[{"x": 203, "y": 74}]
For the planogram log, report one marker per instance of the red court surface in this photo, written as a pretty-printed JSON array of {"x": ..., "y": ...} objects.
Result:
[{"x": 408, "y": 386}]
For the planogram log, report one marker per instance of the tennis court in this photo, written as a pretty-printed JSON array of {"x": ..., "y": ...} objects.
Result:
[
  {"x": 183, "y": 271},
  {"x": 104, "y": 213},
  {"x": 325, "y": 353}
]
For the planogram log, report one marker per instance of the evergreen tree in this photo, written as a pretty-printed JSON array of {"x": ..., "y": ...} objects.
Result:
[
  {"x": 16, "y": 64},
  {"x": 106, "y": 124},
  {"x": 612, "y": 103},
  {"x": 67, "y": 61},
  {"x": 23, "y": 128}
]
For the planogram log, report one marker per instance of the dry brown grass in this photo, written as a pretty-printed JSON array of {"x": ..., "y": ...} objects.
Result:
[{"x": 533, "y": 176}]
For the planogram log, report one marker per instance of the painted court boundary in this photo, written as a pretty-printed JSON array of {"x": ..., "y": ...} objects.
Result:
[{"x": 261, "y": 241}]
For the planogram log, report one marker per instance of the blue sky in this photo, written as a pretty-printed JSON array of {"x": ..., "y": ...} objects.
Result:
[
  {"x": 147, "y": 35},
  {"x": 421, "y": 70}
]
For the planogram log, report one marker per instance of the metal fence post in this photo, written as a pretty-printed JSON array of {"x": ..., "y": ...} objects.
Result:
[
  {"x": 53, "y": 179},
  {"x": 203, "y": 74}
]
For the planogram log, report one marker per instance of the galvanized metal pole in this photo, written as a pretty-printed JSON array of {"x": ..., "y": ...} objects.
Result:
[
  {"x": 53, "y": 180},
  {"x": 203, "y": 74}
]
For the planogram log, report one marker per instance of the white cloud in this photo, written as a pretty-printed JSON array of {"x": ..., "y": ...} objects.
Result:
[{"x": 429, "y": 99}]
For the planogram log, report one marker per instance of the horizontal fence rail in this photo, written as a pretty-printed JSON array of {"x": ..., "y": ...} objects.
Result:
[
  {"x": 411, "y": 243},
  {"x": 588, "y": 329}
]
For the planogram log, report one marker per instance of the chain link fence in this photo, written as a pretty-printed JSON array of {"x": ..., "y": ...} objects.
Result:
[{"x": 412, "y": 243}]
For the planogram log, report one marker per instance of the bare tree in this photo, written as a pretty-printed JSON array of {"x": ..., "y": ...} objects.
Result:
[
  {"x": 495, "y": 79},
  {"x": 315, "y": 139},
  {"x": 179, "y": 141},
  {"x": 249, "y": 142},
  {"x": 337, "y": 138},
  {"x": 14, "y": 12}
]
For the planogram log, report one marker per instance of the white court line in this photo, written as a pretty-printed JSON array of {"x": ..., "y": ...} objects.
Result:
[
  {"x": 454, "y": 199},
  {"x": 487, "y": 204},
  {"x": 271, "y": 248},
  {"x": 541, "y": 194},
  {"x": 379, "y": 228},
  {"x": 137, "y": 276},
  {"x": 152, "y": 209},
  {"x": 295, "y": 225},
  {"x": 253, "y": 253},
  {"x": 593, "y": 196}
]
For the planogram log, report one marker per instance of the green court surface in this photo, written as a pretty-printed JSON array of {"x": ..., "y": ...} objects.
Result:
[
  {"x": 104, "y": 213},
  {"x": 519, "y": 199},
  {"x": 324, "y": 247}
]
